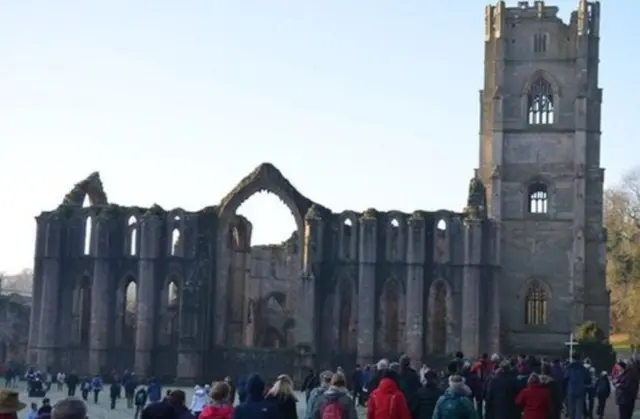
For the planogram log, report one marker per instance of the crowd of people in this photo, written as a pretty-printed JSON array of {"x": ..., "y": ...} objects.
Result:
[{"x": 485, "y": 388}]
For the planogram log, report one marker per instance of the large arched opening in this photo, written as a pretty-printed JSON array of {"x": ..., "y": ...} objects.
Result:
[
  {"x": 264, "y": 249},
  {"x": 258, "y": 275}
]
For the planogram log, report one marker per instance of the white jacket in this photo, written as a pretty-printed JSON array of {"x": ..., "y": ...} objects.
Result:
[{"x": 198, "y": 401}]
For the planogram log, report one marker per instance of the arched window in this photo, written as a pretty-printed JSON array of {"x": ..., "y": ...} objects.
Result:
[
  {"x": 536, "y": 305},
  {"x": 172, "y": 295},
  {"x": 540, "y": 103},
  {"x": 538, "y": 198},
  {"x": 347, "y": 233},
  {"x": 133, "y": 236},
  {"x": 175, "y": 241},
  {"x": 88, "y": 225}
]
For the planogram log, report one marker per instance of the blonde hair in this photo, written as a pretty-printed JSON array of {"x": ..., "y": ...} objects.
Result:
[
  {"x": 338, "y": 380},
  {"x": 282, "y": 388},
  {"x": 534, "y": 379}
]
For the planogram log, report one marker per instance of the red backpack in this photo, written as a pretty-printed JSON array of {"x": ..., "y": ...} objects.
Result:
[{"x": 332, "y": 410}]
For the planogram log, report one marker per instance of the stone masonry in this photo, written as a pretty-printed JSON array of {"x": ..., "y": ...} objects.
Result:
[{"x": 357, "y": 285}]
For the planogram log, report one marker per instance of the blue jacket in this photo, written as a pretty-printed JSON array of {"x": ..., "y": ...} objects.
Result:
[
  {"x": 255, "y": 406},
  {"x": 454, "y": 404},
  {"x": 577, "y": 379},
  {"x": 154, "y": 391}
]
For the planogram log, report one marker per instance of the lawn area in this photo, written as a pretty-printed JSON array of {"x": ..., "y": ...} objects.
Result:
[{"x": 620, "y": 341}]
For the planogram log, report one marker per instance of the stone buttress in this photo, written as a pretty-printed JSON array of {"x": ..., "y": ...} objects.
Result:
[{"x": 150, "y": 234}]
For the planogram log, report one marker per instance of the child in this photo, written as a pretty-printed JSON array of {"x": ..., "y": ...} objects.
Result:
[
  {"x": 140, "y": 400},
  {"x": 603, "y": 391},
  {"x": 33, "y": 414}
]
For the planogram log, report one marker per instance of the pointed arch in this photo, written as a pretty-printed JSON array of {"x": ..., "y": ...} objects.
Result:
[
  {"x": 82, "y": 309},
  {"x": 265, "y": 177},
  {"x": 169, "y": 313},
  {"x": 536, "y": 303},
  {"x": 132, "y": 236},
  {"x": 345, "y": 312},
  {"x": 392, "y": 304},
  {"x": 440, "y": 317},
  {"x": 541, "y": 96},
  {"x": 90, "y": 187},
  {"x": 126, "y": 308},
  {"x": 541, "y": 74},
  {"x": 131, "y": 304}
]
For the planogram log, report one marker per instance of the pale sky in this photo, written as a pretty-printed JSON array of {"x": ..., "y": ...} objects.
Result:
[{"x": 359, "y": 103}]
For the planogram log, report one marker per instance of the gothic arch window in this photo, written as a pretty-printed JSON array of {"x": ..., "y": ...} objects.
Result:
[
  {"x": 347, "y": 234},
  {"x": 132, "y": 236},
  {"x": 538, "y": 198},
  {"x": 540, "y": 103},
  {"x": 171, "y": 314},
  {"x": 392, "y": 329},
  {"x": 88, "y": 225},
  {"x": 175, "y": 241},
  {"x": 130, "y": 310},
  {"x": 439, "y": 317},
  {"x": 172, "y": 294},
  {"x": 536, "y": 305}
]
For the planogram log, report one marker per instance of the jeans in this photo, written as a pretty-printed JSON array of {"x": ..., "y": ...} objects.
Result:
[
  {"x": 575, "y": 406},
  {"x": 602, "y": 405}
]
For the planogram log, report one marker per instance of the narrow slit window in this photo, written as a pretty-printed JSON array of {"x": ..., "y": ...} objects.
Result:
[
  {"x": 133, "y": 236},
  {"x": 540, "y": 43}
]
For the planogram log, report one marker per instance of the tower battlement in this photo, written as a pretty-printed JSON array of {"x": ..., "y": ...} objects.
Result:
[{"x": 585, "y": 20}]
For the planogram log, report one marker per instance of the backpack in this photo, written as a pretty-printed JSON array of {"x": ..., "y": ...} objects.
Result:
[
  {"x": 332, "y": 410},
  {"x": 452, "y": 407},
  {"x": 140, "y": 397}
]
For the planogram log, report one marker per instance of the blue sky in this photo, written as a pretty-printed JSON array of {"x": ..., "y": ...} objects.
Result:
[{"x": 359, "y": 103}]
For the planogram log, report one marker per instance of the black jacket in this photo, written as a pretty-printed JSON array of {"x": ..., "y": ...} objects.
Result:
[{"x": 425, "y": 401}]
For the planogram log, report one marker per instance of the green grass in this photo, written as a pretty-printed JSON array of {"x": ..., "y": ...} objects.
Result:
[{"x": 620, "y": 342}]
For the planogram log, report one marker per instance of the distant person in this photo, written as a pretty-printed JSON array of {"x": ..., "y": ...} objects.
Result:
[
  {"x": 140, "y": 400},
  {"x": 220, "y": 407},
  {"x": 45, "y": 410}
]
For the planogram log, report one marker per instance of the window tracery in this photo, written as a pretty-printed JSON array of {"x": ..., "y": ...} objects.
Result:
[{"x": 540, "y": 103}]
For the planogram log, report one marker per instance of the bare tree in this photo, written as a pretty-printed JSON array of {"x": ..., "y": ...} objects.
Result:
[{"x": 622, "y": 220}]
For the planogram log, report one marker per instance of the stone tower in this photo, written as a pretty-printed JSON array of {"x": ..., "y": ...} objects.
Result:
[{"x": 540, "y": 162}]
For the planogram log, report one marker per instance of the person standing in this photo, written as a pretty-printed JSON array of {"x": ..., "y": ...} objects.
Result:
[
  {"x": 220, "y": 408},
  {"x": 603, "y": 391},
  {"x": 140, "y": 401},
  {"x": 85, "y": 388},
  {"x": 130, "y": 385},
  {"x": 198, "y": 401},
  {"x": 96, "y": 386},
  {"x": 578, "y": 380},
  {"x": 60, "y": 379},
  {"x": 626, "y": 391},
  {"x": 114, "y": 392},
  {"x": 72, "y": 381}
]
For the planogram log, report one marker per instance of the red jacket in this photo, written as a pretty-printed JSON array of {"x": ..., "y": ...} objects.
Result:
[
  {"x": 387, "y": 402},
  {"x": 535, "y": 402},
  {"x": 222, "y": 411},
  {"x": 476, "y": 368}
]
